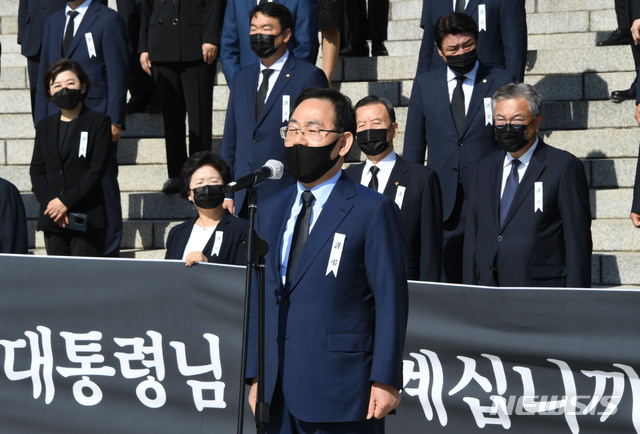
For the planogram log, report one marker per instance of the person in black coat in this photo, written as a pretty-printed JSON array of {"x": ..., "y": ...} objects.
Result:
[
  {"x": 414, "y": 188},
  {"x": 179, "y": 44},
  {"x": 13, "y": 222},
  {"x": 215, "y": 235},
  {"x": 68, "y": 163}
]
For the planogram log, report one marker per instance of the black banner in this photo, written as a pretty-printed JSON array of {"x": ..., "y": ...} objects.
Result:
[
  {"x": 496, "y": 360},
  {"x": 118, "y": 346},
  {"x": 130, "y": 346}
]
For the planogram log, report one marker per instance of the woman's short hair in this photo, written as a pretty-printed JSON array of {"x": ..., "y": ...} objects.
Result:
[
  {"x": 196, "y": 161},
  {"x": 60, "y": 66}
]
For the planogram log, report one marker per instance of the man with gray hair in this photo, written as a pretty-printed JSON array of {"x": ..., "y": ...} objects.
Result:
[{"x": 529, "y": 219}]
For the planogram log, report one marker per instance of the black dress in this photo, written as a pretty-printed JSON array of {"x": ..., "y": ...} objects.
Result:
[{"x": 330, "y": 13}]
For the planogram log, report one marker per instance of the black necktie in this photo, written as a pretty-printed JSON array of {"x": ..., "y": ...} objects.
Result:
[
  {"x": 68, "y": 33},
  {"x": 373, "y": 184},
  {"x": 460, "y": 6},
  {"x": 300, "y": 234},
  {"x": 457, "y": 104},
  {"x": 509, "y": 192},
  {"x": 261, "y": 96}
]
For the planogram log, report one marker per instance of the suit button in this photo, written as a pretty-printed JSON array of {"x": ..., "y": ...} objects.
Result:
[
  {"x": 460, "y": 144},
  {"x": 60, "y": 172},
  {"x": 159, "y": 20},
  {"x": 499, "y": 237},
  {"x": 175, "y": 22}
]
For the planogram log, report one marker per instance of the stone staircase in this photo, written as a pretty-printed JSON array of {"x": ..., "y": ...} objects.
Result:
[{"x": 574, "y": 75}]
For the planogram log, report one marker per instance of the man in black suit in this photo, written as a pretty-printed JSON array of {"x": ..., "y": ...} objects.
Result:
[
  {"x": 32, "y": 15},
  {"x": 413, "y": 187},
  {"x": 529, "y": 219},
  {"x": 635, "y": 207},
  {"x": 450, "y": 110},
  {"x": 179, "y": 42}
]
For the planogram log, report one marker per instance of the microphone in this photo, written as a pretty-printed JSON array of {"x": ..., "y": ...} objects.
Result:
[{"x": 272, "y": 169}]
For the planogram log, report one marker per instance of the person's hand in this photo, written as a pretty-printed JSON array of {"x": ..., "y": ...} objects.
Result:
[
  {"x": 228, "y": 205},
  {"x": 115, "y": 132},
  {"x": 635, "y": 219},
  {"x": 209, "y": 53},
  {"x": 635, "y": 31},
  {"x": 638, "y": 114},
  {"x": 57, "y": 211},
  {"x": 195, "y": 257},
  {"x": 145, "y": 62},
  {"x": 253, "y": 395},
  {"x": 384, "y": 398}
]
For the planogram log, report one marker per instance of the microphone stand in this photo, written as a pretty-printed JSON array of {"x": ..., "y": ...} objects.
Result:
[{"x": 255, "y": 250}]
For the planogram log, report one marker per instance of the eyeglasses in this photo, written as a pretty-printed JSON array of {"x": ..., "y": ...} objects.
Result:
[
  {"x": 311, "y": 132},
  {"x": 516, "y": 123}
]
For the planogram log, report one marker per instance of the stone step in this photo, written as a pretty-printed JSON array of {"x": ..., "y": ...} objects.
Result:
[
  {"x": 571, "y": 21},
  {"x": 580, "y": 86},
  {"x": 615, "y": 268},
  {"x": 615, "y": 235},
  {"x": 547, "y": 6},
  {"x": 570, "y": 115},
  {"x": 597, "y": 142},
  {"x": 554, "y": 40}
]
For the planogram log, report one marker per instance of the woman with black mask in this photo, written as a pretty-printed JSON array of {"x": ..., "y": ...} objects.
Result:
[
  {"x": 68, "y": 163},
  {"x": 215, "y": 235}
]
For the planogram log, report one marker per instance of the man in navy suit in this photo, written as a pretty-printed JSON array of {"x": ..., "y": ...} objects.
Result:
[
  {"x": 412, "y": 186},
  {"x": 336, "y": 306},
  {"x": 236, "y": 53},
  {"x": 450, "y": 110},
  {"x": 32, "y": 15},
  {"x": 502, "y": 41},
  {"x": 250, "y": 139},
  {"x": 99, "y": 44},
  {"x": 529, "y": 220}
]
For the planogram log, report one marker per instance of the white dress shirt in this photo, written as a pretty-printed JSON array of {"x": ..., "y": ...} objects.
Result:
[
  {"x": 522, "y": 168},
  {"x": 276, "y": 68},
  {"x": 467, "y": 85},
  {"x": 385, "y": 165},
  {"x": 82, "y": 9}
]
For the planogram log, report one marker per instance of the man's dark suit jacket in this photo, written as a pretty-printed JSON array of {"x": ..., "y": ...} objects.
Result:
[
  {"x": 232, "y": 247},
  {"x": 247, "y": 144},
  {"x": 107, "y": 70},
  {"x": 32, "y": 15},
  {"x": 236, "y": 53},
  {"x": 548, "y": 247},
  {"x": 339, "y": 331},
  {"x": 174, "y": 31},
  {"x": 635, "y": 207},
  {"x": 73, "y": 178},
  {"x": 421, "y": 212},
  {"x": 429, "y": 122},
  {"x": 13, "y": 221},
  {"x": 502, "y": 45}
]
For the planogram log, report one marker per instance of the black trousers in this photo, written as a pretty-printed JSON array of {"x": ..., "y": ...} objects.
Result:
[
  {"x": 75, "y": 243},
  {"x": 371, "y": 24},
  {"x": 185, "y": 87}
]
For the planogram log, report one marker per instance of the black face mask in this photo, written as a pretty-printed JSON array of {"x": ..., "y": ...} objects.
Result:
[
  {"x": 263, "y": 45},
  {"x": 67, "y": 98},
  {"x": 208, "y": 196},
  {"x": 308, "y": 164},
  {"x": 512, "y": 138},
  {"x": 372, "y": 142},
  {"x": 463, "y": 63}
]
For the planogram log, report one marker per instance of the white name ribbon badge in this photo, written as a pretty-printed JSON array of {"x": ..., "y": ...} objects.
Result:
[
  {"x": 482, "y": 18},
  {"x": 285, "y": 108},
  {"x": 336, "y": 254},
  {"x": 488, "y": 113},
  {"x": 90, "y": 47},
  {"x": 84, "y": 139},
  {"x": 400, "y": 195},
  {"x": 216, "y": 244},
  {"x": 537, "y": 189}
]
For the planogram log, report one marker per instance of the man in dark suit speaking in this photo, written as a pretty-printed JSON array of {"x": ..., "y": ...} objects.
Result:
[
  {"x": 336, "y": 290},
  {"x": 413, "y": 187},
  {"x": 529, "y": 220}
]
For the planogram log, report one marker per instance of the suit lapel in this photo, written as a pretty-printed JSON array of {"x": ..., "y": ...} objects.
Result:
[
  {"x": 53, "y": 152},
  {"x": 283, "y": 80},
  {"x": 251, "y": 93},
  {"x": 71, "y": 140},
  {"x": 335, "y": 210},
  {"x": 398, "y": 176},
  {"x": 495, "y": 188},
  {"x": 441, "y": 102},
  {"x": 471, "y": 7},
  {"x": 275, "y": 237},
  {"x": 535, "y": 169},
  {"x": 481, "y": 90},
  {"x": 87, "y": 21}
]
